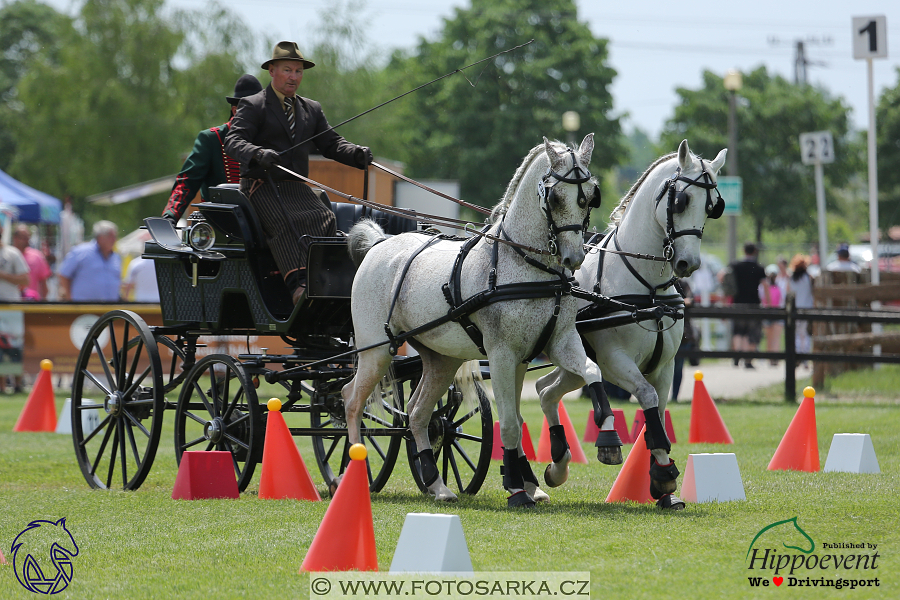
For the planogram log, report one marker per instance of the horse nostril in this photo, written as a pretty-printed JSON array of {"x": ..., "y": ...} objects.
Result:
[{"x": 681, "y": 266}]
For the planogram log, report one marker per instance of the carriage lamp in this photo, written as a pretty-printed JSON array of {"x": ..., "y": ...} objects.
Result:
[{"x": 202, "y": 236}]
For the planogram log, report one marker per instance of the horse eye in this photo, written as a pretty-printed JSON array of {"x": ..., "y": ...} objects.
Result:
[{"x": 681, "y": 202}]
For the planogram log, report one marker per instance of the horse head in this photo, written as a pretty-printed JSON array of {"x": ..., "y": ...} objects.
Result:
[
  {"x": 687, "y": 198},
  {"x": 568, "y": 192}
]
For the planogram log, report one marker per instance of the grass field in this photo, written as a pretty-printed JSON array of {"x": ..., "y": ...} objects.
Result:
[{"x": 145, "y": 545}]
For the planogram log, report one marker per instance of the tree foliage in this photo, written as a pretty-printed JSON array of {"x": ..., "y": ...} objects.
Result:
[
  {"x": 779, "y": 191},
  {"x": 887, "y": 119},
  {"x": 138, "y": 87},
  {"x": 477, "y": 126}
]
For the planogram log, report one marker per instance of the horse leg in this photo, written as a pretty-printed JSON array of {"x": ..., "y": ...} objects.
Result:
[
  {"x": 554, "y": 387},
  {"x": 663, "y": 472},
  {"x": 438, "y": 372},
  {"x": 372, "y": 366},
  {"x": 532, "y": 485},
  {"x": 569, "y": 354},
  {"x": 506, "y": 376}
]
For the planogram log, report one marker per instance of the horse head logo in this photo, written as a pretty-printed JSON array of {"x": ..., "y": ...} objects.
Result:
[
  {"x": 42, "y": 556},
  {"x": 788, "y": 531}
]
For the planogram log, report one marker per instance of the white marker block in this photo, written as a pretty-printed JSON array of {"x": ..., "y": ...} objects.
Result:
[
  {"x": 712, "y": 477},
  {"x": 431, "y": 544},
  {"x": 852, "y": 453},
  {"x": 90, "y": 419}
]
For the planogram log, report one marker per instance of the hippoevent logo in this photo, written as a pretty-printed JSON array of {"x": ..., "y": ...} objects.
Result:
[
  {"x": 782, "y": 553},
  {"x": 42, "y": 556}
]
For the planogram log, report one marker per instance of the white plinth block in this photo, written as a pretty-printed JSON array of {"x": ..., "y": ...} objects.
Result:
[
  {"x": 713, "y": 477},
  {"x": 431, "y": 544},
  {"x": 90, "y": 419},
  {"x": 852, "y": 453}
]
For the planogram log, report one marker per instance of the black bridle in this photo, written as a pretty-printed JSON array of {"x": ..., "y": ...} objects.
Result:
[
  {"x": 547, "y": 194},
  {"x": 678, "y": 200}
]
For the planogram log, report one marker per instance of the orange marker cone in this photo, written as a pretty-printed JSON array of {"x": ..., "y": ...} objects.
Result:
[
  {"x": 799, "y": 448},
  {"x": 633, "y": 481},
  {"x": 707, "y": 426},
  {"x": 670, "y": 429},
  {"x": 284, "y": 474},
  {"x": 543, "y": 453},
  {"x": 638, "y": 424},
  {"x": 204, "y": 475},
  {"x": 527, "y": 445},
  {"x": 591, "y": 430},
  {"x": 345, "y": 540},
  {"x": 39, "y": 413}
]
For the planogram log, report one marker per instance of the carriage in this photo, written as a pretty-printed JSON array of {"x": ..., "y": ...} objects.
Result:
[{"x": 218, "y": 278}]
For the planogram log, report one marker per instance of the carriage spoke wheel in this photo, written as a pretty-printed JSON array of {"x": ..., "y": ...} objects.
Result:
[
  {"x": 384, "y": 409},
  {"x": 218, "y": 411},
  {"x": 117, "y": 402},
  {"x": 461, "y": 433}
]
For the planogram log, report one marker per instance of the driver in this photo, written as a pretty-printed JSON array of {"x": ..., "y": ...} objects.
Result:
[{"x": 263, "y": 133}]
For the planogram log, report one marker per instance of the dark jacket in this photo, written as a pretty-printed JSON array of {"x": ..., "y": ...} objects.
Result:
[
  {"x": 206, "y": 166},
  {"x": 260, "y": 122}
]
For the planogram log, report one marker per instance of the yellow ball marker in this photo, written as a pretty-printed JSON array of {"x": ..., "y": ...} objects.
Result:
[
  {"x": 809, "y": 392},
  {"x": 274, "y": 404},
  {"x": 46, "y": 365},
  {"x": 358, "y": 452},
  {"x": 698, "y": 375}
]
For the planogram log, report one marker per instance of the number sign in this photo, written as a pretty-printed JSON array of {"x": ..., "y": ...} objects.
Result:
[
  {"x": 870, "y": 37},
  {"x": 816, "y": 147}
]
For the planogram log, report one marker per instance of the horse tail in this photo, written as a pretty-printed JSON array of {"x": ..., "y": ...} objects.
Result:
[
  {"x": 470, "y": 384},
  {"x": 365, "y": 234}
]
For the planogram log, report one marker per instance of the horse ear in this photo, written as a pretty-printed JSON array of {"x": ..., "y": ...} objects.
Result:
[
  {"x": 684, "y": 155},
  {"x": 586, "y": 149},
  {"x": 719, "y": 160},
  {"x": 556, "y": 161}
]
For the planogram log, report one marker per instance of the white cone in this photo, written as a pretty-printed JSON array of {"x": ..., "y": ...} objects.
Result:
[
  {"x": 431, "y": 544},
  {"x": 90, "y": 419},
  {"x": 713, "y": 477},
  {"x": 852, "y": 453}
]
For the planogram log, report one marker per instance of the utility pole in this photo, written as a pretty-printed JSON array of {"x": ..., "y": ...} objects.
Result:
[{"x": 801, "y": 62}]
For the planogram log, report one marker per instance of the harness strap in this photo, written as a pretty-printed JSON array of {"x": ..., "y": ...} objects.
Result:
[
  {"x": 652, "y": 288},
  {"x": 387, "y": 329},
  {"x": 455, "y": 300}
]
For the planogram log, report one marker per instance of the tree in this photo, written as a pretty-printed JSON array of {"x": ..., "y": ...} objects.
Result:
[
  {"x": 478, "y": 126},
  {"x": 129, "y": 110},
  {"x": 887, "y": 116},
  {"x": 779, "y": 190},
  {"x": 27, "y": 29}
]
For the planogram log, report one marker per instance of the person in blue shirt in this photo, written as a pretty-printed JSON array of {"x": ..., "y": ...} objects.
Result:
[{"x": 92, "y": 271}]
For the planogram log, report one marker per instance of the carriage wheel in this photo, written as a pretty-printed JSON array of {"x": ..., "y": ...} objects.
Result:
[
  {"x": 218, "y": 410},
  {"x": 462, "y": 438},
  {"x": 332, "y": 450},
  {"x": 119, "y": 428},
  {"x": 176, "y": 367}
]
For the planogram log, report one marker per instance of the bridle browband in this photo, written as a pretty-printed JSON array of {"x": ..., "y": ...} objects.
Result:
[
  {"x": 677, "y": 203},
  {"x": 547, "y": 194}
]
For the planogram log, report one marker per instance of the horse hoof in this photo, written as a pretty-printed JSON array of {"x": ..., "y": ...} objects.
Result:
[
  {"x": 670, "y": 502},
  {"x": 610, "y": 455},
  {"x": 660, "y": 488},
  {"x": 442, "y": 493},
  {"x": 663, "y": 479},
  {"x": 536, "y": 493},
  {"x": 520, "y": 499},
  {"x": 550, "y": 481}
]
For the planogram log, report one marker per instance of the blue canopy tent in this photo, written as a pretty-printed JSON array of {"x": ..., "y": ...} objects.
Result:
[{"x": 33, "y": 205}]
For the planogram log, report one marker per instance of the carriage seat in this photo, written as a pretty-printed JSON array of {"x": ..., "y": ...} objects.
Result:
[{"x": 347, "y": 215}]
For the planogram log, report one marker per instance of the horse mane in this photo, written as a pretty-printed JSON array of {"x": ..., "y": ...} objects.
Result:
[
  {"x": 618, "y": 212},
  {"x": 501, "y": 207}
]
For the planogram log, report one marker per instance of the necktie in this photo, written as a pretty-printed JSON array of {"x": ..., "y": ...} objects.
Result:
[{"x": 289, "y": 111}]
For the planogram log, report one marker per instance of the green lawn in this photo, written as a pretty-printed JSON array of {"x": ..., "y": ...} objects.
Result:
[{"x": 145, "y": 545}]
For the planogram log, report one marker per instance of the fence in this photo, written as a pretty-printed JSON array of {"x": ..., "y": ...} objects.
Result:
[{"x": 790, "y": 314}]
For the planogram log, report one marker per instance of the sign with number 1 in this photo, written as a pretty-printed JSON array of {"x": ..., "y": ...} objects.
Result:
[{"x": 870, "y": 37}]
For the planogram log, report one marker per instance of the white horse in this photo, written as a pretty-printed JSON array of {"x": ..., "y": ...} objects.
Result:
[
  {"x": 664, "y": 212},
  {"x": 412, "y": 280}
]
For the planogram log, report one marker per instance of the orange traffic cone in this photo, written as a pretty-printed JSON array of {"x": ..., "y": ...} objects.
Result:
[
  {"x": 527, "y": 445},
  {"x": 345, "y": 540},
  {"x": 39, "y": 413},
  {"x": 639, "y": 420},
  {"x": 707, "y": 426},
  {"x": 633, "y": 481},
  {"x": 591, "y": 430},
  {"x": 284, "y": 474},
  {"x": 543, "y": 453},
  {"x": 204, "y": 475},
  {"x": 799, "y": 448}
]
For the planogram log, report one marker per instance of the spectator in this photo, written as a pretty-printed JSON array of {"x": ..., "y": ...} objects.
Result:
[
  {"x": 748, "y": 275},
  {"x": 843, "y": 262},
  {"x": 140, "y": 278},
  {"x": 13, "y": 272},
  {"x": 801, "y": 285},
  {"x": 38, "y": 269},
  {"x": 92, "y": 271},
  {"x": 775, "y": 300}
]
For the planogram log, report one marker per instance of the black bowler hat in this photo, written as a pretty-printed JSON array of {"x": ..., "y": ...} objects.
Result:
[
  {"x": 247, "y": 85},
  {"x": 288, "y": 51}
]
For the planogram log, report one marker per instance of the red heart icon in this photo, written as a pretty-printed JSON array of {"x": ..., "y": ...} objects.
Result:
[{"x": 777, "y": 580}]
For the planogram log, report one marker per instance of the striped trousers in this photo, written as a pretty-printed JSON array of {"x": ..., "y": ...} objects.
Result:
[{"x": 299, "y": 212}]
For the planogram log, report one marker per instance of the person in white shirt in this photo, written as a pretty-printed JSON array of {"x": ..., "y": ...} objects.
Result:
[{"x": 140, "y": 278}]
